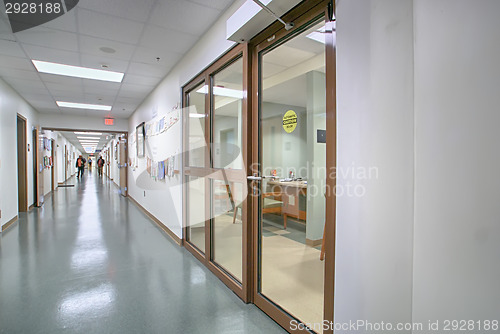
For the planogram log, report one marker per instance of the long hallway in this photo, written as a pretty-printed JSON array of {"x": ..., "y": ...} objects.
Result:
[{"x": 90, "y": 261}]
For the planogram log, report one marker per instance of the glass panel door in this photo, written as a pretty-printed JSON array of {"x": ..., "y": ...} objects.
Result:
[
  {"x": 227, "y": 160},
  {"x": 196, "y": 147},
  {"x": 215, "y": 184},
  {"x": 292, "y": 153}
]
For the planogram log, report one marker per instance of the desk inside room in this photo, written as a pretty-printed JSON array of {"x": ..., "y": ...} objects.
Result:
[{"x": 290, "y": 196}]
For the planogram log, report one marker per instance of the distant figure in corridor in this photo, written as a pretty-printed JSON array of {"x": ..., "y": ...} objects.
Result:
[
  {"x": 100, "y": 164},
  {"x": 80, "y": 164},
  {"x": 90, "y": 164}
]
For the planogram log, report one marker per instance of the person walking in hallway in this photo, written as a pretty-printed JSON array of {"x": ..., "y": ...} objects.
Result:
[
  {"x": 100, "y": 164},
  {"x": 90, "y": 164},
  {"x": 80, "y": 164}
]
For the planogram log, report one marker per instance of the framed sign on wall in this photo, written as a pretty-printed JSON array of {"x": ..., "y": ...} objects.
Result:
[{"x": 140, "y": 136}]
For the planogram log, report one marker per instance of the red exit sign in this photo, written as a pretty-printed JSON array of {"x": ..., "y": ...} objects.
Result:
[{"x": 109, "y": 121}]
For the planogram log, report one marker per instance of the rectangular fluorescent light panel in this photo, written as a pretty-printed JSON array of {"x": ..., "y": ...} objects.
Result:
[
  {"x": 221, "y": 91},
  {"x": 77, "y": 71},
  {"x": 193, "y": 115},
  {"x": 83, "y": 106},
  {"x": 88, "y": 133},
  {"x": 81, "y": 137}
]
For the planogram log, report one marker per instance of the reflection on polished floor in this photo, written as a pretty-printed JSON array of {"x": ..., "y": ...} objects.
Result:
[{"x": 89, "y": 261}]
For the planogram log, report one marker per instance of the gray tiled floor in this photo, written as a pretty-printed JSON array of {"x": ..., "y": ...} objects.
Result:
[{"x": 89, "y": 261}]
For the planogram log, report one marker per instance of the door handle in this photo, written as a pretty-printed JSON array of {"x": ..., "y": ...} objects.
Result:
[{"x": 254, "y": 178}]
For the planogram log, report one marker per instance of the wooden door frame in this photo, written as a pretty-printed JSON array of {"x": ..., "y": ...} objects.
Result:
[
  {"x": 65, "y": 163},
  {"x": 34, "y": 149},
  {"x": 125, "y": 165},
  {"x": 273, "y": 35},
  {"x": 53, "y": 156},
  {"x": 243, "y": 289},
  {"x": 24, "y": 205}
]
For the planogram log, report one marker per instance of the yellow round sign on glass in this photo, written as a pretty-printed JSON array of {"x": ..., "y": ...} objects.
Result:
[{"x": 289, "y": 121}]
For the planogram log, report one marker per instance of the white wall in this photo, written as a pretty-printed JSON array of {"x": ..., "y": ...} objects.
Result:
[
  {"x": 417, "y": 92},
  {"x": 457, "y": 186},
  {"x": 12, "y": 104},
  {"x": 375, "y": 128},
  {"x": 166, "y": 203}
]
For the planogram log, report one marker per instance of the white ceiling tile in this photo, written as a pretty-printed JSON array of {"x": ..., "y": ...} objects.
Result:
[
  {"x": 69, "y": 90},
  {"x": 48, "y": 110},
  {"x": 166, "y": 39},
  {"x": 140, "y": 80},
  {"x": 156, "y": 71},
  {"x": 27, "y": 86},
  {"x": 97, "y": 113},
  {"x": 184, "y": 16},
  {"x": 49, "y": 38},
  {"x": 66, "y": 22},
  {"x": 67, "y": 96},
  {"x": 41, "y": 97},
  {"x": 62, "y": 80},
  {"x": 57, "y": 56},
  {"x": 91, "y": 45},
  {"x": 37, "y": 103},
  {"x": 109, "y": 27},
  {"x": 99, "y": 99},
  {"x": 101, "y": 87},
  {"x": 217, "y": 4},
  {"x": 18, "y": 74},
  {"x": 124, "y": 107},
  {"x": 126, "y": 99},
  {"x": 129, "y": 9},
  {"x": 11, "y": 48},
  {"x": 115, "y": 65},
  {"x": 16, "y": 63},
  {"x": 149, "y": 56},
  {"x": 135, "y": 91},
  {"x": 77, "y": 37},
  {"x": 120, "y": 113}
]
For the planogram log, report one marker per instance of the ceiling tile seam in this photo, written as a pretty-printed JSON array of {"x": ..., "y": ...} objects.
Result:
[
  {"x": 151, "y": 10},
  {"x": 41, "y": 80},
  {"x": 206, "y": 6},
  {"x": 115, "y": 16},
  {"x": 175, "y": 64}
]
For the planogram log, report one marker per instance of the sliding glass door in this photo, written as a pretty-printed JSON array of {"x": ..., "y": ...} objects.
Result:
[
  {"x": 215, "y": 169},
  {"x": 295, "y": 140}
]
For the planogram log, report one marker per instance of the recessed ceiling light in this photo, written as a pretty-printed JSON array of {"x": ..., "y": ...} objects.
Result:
[
  {"x": 77, "y": 71},
  {"x": 83, "y": 106},
  {"x": 88, "y": 133},
  {"x": 82, "y": 137}
]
